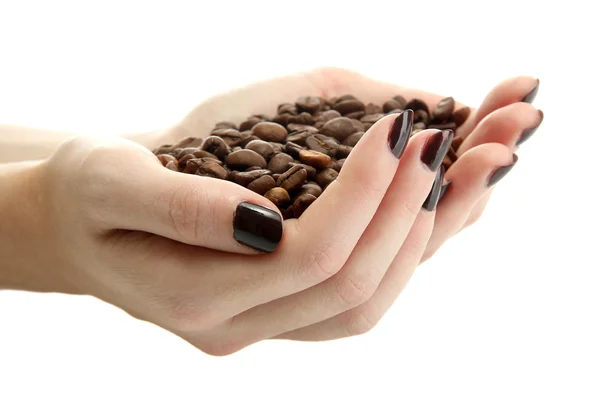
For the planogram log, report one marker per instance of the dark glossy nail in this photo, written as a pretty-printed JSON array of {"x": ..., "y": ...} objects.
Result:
[
  {"x": 529, "y": 132},
  {"x": 400, "y": 132},
  {"x": 257, "y": 227},
  {"x": 435, "y": 149},
  {"x": 531, "y": 95},
  {"x": 443, "y": 190},
  {"x": 434, "y": 195},
  {"x": 501, "y": 172}
]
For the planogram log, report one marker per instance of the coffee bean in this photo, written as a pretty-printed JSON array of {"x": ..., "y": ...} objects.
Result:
[
  {"x": 216, "y": 146},
  {"x": 357, "y": 115},
  {"x": 460, "y": 116},
  {"x": 353, "y": 139},
  {"x": 417, "y": 104},
  {"x": 447, "y": 163},
  {"x": 293, "y": 178},
  {"x": 243, "y": 159},
  {"x": 255, "y": 168},
  {"x": 183, "y": 160},
  {"x": 270, "y": 132},
  {"x": 373, "y": 109},
  {"x": 277, "y": 147},
  {"x": 447, "y": 125},
  {"x": 309, "y": 104},
  {"x": 391, "y": 105},
  {"x": 261, "y": 147},
  {"x": 421, "y": 116},
  {"x": 315, "y": 158},
  {"x": 172, "y": 166},
  {"x": 293, "y": 149},
  {"x": 236, "y": 148},
  {"x": 418, "y": 127},
  {"x": 245, "y": 178},
  {"x": 262, "y": 185},
  {"x": 302, "y": 118},
  {"x": 339, "y": 128},
  {"x": 343, "y": 151},
  {"x": 249, "y": 123},
  {"x": 359, "y": 126},
  {"x": 326, "y": 116},
  {"x": 164, "y": 149},
  {"x": 231, "y": 136},
  {"x": 212, "y": 160},
  {"x": 281, "y": 119},
  {"x": 443, "y": 110},
  {"x": 287, "y": 108},
  {"x": 248, "y": 137},
  {"x": 311, "y": 171},
  {"x": 368, "y": 125},
  {"x": 372, "y": 118},
  {"x": 301, "y": 203},
  {"x": 278, "y": 196},
  {"x": 212, "y": 170},
  {"x": 225, "y": 125},
  {"x": 325, "y": 177},
  {"x": 279, "y": 163},
  {"x": 452, "y": 154},
  {"x": 299, "y": 137},
  {"x": 343, "y": 98},
  {"x": 287, "y": 212},
  {"x": 191, "y": 166},
  {"x": 401, "y": 100},
  {"x": 349, "y": 106},
  {"x": 311, "y": 188},
  {"x": 204, "y": 154},
  {"x": 339, "y": 164},
  {"x": 323, "y": 144},
  {"x": 276, "y": 176},
  {"x": 293, "y": 128},
  {"x": 165, "y": 158},
  {"x": 185, "y": 151}
]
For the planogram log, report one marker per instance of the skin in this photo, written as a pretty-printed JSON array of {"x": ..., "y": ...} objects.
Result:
[{"x": 102, "y": 217}]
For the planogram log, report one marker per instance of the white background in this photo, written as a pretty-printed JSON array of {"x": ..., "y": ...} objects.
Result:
[{"x": 507, "y": 310}]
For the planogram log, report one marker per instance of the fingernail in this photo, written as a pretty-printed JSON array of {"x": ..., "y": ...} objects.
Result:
[
  {"x": 400, "y": 132},
  {"x": 434, "y": 195},
  {"x": 257, "y": 227},
  {"x": 435, "y": 148},
  {"x": 501, "y": 172},
  {"x": 529, "y": 132},
  {"x": 443, "y": 190},
  {"x": 531, "y": 95}
]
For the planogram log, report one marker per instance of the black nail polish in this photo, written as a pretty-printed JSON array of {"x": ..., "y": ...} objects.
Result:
[
  {"x": 443, "y": 190},
  {"x": 501, "y": 172},
  {"x": 434, "y": 195},
  {"x": 531, "y": 95},
  {"x": 400, "y": 132},
  {"x": 257, "y": 227},
  {"x": 529, "y": 132},
  {"x": 435, "y": 148}
]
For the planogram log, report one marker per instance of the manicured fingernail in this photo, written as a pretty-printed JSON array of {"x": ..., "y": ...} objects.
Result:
[
  {"x": 531, "y": 95},
  {"x": 435, "y": 149},
  {"x": 444, "y": 188},
  {"x": 400, "y": 132},
  {"x": 529, "y": 132},
  {"x": 434, "y": 195},
  {"x": 257, "y": 227},
  {"x": 501, "y": 172}
]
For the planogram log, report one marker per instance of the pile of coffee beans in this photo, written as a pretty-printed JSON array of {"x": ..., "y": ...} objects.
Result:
[{"x": 292, "y": 157}]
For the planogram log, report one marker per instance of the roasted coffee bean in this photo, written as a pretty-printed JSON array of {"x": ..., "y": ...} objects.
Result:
[
  {"x": 315, "y": 158},
  {"x": 287, "y": 108},
  {"x": 278, "y": 196},
  {"x": 164, "y": 149},
  {"x": 299, "y": 137},
  {"x": 372, "y": 118},
  {"x": 444, "y": 109},
  {"x": 216, "y": 146},
  {"x": 339, "y": 128},
  {"x": 339, "y": 164},
  {"x": 356, "y": 115},
  {"x": 311, "y": 188},
  {"x": 421, "y": 116},
  {"x": 368, "y": 125},
  {"x": 456, "y": 142},
  {"x": 418, "y": 127},
  {"x": 183, "y": 160},
  {"x": 353, "y": 139},
  {"x": 302, "y": 118},
  {"x": 311, "y": 171},
  {"x": 323, "y": 144},
  {"x": 343, "y": 151},
  {"x": 165, "y": 158},
  {"x": 452, "y": 154},
  {"x": 243, "y": 159},
  {"x": 277, "y": 147},
  {"x": 343, "y": 98},
  {"x": 212, "y": 170},
  {"x": 325, "y": 177},
  {"x": 326, "y": 116},
  {"x": 287, "y": 212},
  {"x": 373, "y": 109},
  {"x": 261, "y": 147},
  {"x": 460, "y": 116},
  {"x": 191, "y": 166},
  {"x": 447, "y": 125},
  {"x": 185, "y": 151},
  {"x": 276, "y": 176},
  {"x": 447, "y": 163},
  {"x": 279, "y": 163},
  {"x": 301, "y": 203},
  {"x": 248, "y": 137},
  {"x": 281, "y": 119},
  {"x": 349, "y": 106},
  {"x": 263, "y": 184},
  {"x": 255, "y": 168},
  {"x": 359, "y": 126},
  {"x": 417, "y": 104},
  {"x": 293, "y": 149},
  {"x": 204, "y": 154},
  {"x": 270, "y": 132},
  {"x": 225, "y": 125},
  {"x": 236, "y": 148},
  {"x": 249, "y": 123},
  {"x": 244, "y": 178},
  {"x": 309, "y": 104},
  {"x": 172, "y": 166},
  {"x": 293, "y": 128},
  {"x": 231, "y": 136},
  {"x": 401, "y": 100},
  {"x": 293, "y": 178},
  {"x": 213, "y": 160},
  {"x": 391, "y": 105}
]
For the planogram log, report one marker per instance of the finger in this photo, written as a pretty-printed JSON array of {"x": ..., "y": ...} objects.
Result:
[
  {"x": 508, "y": 125},
  {"x": 511, "y": 90},
  {"x": 363, "y": 318},
  {"x": 471, "y": 178},
  {"x": 196, "y": 210},
  {"x": 375, "y": 251}
]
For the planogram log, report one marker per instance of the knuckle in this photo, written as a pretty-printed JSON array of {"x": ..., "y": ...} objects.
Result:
[
  {"x": 185, "y": 209},
  {"x": 322, "y": 263},
  {"x": 355, "y": 290},
  {"x": 359, "y": 322},
  {"x": 186, "y": 316},
  {"x": 217, "y": 347}
]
